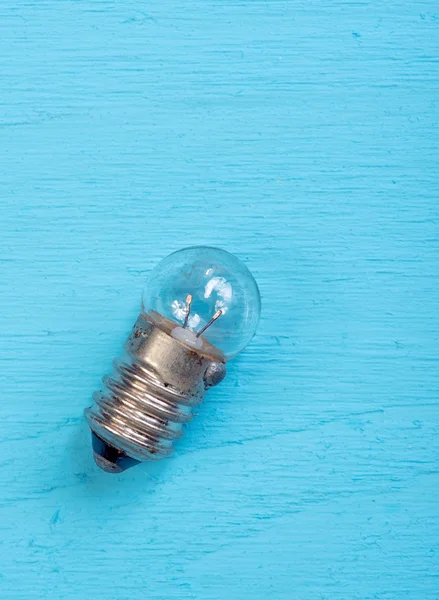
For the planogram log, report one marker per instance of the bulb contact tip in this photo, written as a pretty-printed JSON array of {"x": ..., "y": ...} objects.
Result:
[{"x": 108, "y": 458}]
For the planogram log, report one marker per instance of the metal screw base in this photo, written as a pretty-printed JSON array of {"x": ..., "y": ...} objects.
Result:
[{"x": 149, "y": 397}]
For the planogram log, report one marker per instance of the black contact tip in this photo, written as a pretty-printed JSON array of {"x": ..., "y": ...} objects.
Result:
[{"x": 109, "y": 458}]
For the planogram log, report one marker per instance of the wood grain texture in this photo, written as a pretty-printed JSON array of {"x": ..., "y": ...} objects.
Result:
[{"x": 303, "y": 136}]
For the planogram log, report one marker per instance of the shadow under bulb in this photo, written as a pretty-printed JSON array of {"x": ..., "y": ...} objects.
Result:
[{"x": 200, "y": 307}]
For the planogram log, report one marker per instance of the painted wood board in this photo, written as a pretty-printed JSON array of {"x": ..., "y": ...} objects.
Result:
[{"x": 302, "y": 136}]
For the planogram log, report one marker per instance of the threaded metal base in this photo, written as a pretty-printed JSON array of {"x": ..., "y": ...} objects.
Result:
[
  {"x": 139, "y": 413},
  {"x": 150, "y": 395}
]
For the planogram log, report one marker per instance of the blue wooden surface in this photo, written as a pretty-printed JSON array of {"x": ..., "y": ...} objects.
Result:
[{"x": 303, "y": 136}]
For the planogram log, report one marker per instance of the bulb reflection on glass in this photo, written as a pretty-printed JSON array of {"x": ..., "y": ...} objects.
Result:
[
  {"x": 200, "y": 307},
  {"x": 210, "y": 296}
]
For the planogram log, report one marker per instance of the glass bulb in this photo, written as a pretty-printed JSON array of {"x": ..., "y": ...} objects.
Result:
[{"x": 206, "y": 298}]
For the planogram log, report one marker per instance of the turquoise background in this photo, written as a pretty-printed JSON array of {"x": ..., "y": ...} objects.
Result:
[{"x": 303, "y": 136}]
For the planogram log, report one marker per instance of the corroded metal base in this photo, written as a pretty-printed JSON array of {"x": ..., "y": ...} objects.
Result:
[{"x": 150, "y": 395}]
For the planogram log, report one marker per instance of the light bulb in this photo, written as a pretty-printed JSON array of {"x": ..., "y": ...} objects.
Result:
[{"x": 200, "y": 307}]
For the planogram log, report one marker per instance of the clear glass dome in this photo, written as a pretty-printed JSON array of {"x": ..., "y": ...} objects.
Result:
[{"x": 209, "y": 297}]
